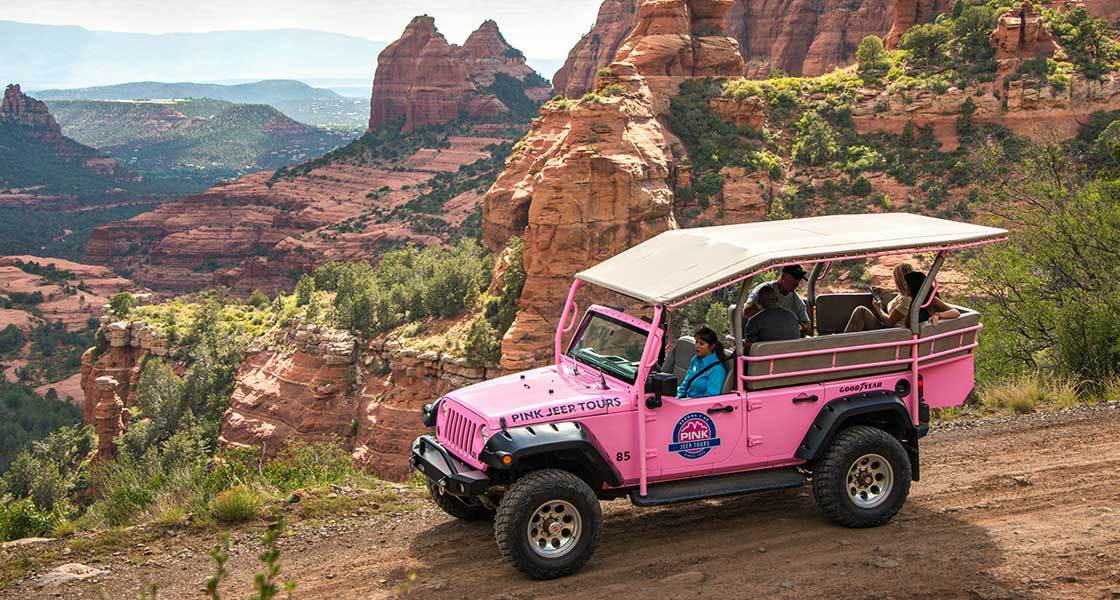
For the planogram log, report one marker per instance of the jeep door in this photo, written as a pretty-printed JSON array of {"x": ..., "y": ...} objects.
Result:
[
  {"x": 690, "y": 436},
  {"x": 777, "y": 419}
]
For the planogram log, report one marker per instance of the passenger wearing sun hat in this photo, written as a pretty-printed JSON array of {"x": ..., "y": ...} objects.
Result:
[{"x": 788, "y": 298}]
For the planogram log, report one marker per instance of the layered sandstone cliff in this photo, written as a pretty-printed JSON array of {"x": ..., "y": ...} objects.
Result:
[
  {"x": 423, "y": 80},
  {"x": 801, "y": 37},
  {"x": 329, "y": 386}
]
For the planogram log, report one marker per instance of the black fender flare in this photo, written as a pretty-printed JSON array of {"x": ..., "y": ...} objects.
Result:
[
  {"x": 837, "y": 414},
  {"x": 568, "y": 440}
]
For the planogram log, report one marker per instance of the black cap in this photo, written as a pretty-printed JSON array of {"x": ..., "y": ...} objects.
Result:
[{"x": 796, "y": 271}]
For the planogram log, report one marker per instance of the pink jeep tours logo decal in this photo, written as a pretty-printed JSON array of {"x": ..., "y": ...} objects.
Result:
[{"x": 694, "y": 436}]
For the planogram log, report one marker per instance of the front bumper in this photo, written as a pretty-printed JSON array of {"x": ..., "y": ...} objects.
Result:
[{"x": 450, "y": 474}]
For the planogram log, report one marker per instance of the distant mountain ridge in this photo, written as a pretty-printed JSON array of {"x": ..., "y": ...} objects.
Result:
[
  {"x": 203, "y": 140},
  {"x": 304, "y": 103},
  {"x": 51, "y": 56},
  {"x": 259, "y": 92}
]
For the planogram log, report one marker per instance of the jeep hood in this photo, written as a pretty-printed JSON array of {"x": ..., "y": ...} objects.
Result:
[{"x": 542, "y": 396}]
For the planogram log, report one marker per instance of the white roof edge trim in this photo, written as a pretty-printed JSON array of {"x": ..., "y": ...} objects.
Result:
[{"x": 681, "y": 263}]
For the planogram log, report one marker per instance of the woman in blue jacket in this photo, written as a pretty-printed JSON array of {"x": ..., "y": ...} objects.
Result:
[{"x": 705, "y": 371}]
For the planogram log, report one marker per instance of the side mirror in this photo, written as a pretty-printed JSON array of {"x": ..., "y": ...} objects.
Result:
[{"x": 660, "y": 384}]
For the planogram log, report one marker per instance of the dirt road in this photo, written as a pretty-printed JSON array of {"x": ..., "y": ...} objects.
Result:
[{"x": 1028, "y": 508}]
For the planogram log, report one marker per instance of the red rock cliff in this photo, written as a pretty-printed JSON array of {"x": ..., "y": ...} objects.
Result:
[
  {"x": 802, "y": 37},
  {"x": 424, "y": 80},
  {"x": 597, "y": 48},
  {"x": 21, "y": 109},
  {"x": 682, "y": 38},
  {"x": 420, "y": 79}
]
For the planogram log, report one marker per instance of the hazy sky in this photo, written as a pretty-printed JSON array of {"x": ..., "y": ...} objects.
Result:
[{"x": 540, "y": 28}]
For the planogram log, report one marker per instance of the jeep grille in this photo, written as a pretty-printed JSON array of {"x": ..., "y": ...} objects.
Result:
[{"x": 458, "y": 432}]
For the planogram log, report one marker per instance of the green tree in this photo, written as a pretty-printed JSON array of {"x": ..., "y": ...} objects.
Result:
[
  {"x": 971, "y": 29},
  {"x": 1052, "y": 304},
  {"x": 871, "y": 55},
  {"x": 304, "y": 289},
  {"x": 121, "y": 305},
  {"x": 965, "y": 126},
  {"x": 1106, "y": 150},
  {"x": 927, "y": 44},
  {"x": 1090, "y": 42},
  {"x": 816, "y": 142}
]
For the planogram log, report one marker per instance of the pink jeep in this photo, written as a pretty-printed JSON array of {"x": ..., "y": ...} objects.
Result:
[{"x": 844, "y": 411}]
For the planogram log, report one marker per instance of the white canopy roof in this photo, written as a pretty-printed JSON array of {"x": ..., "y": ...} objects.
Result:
[{"x": 679, "y": 264}]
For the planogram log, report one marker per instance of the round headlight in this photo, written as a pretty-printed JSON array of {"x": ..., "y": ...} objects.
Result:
[
  {"x": 484, "y": 433},
  {"x": 445, "y": 408}
]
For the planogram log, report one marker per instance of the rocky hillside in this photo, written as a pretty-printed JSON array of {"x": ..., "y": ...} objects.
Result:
[
  {"x": 405, "y": 181},
  {"x": 35, "y": 154},
  {"x": 200, "y": 140},
  {"x": 54, "y": 190},
  {"x": 48, "y": 318},
  {"x": 422, "y": 80}
]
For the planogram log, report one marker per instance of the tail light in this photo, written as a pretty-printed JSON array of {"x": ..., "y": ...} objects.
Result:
[{"x": 921, "y": 387}]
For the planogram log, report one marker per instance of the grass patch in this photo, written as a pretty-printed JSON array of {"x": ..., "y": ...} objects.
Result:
[
  {"x": 236, "y": 505},
  {"x": 14, "y": 569},
  {"x": 1029, "y": 393}
]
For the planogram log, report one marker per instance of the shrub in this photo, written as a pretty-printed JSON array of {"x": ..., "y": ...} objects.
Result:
[
  {"x": 258, "y": 299},
  {"x": 236, "y": 505},
  {"x": 501, "y": 311},
  {"x": 613, "y": 89},
  {"x": 22, "y": 519},
  {"x": 1030, "y": 392},
  {"x": 1020, "y": 397},
  {"x": 409, "y": 284},
  {"x": 306, "y": 465},
  {"x": 965, "y": 127},
  {"x": 717, "y": 319},
  {"x": 1090, "y": 42},
  {"x": 11, "y": 339},
  {"x": 861, "y": 187},
  {"x": 483, "y": 345}
]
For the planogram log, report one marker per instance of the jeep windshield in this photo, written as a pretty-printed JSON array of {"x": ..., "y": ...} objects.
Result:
[{"x": 609, "y": 345}]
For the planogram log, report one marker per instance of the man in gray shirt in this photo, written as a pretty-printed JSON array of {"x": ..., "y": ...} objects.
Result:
[
  {"x": 786, "y": 291},
  {"x": 772, "y": 323}
]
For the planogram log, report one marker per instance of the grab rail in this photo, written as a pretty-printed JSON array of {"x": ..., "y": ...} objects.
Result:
[{"x": 745, "y": 361}]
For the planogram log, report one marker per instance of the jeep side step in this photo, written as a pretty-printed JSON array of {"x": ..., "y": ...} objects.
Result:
[{"x": 687, "y": 490}]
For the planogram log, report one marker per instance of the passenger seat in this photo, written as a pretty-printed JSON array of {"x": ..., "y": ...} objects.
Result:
[{"x": 682, "y": 353}]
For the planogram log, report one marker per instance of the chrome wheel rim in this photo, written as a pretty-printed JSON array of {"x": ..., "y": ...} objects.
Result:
[
  {"x": 554, "y": 528},
  {"x": 870, "y": 480}
]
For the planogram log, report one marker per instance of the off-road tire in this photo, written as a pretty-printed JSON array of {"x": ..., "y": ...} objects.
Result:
[
  {"x": 830, "y": 477},
  {"x": 458, "y": 508},
  {"x": 519, "y": 505}
]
